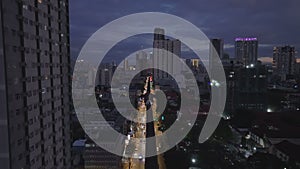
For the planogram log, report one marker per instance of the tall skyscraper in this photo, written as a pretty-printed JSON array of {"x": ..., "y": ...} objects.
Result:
[
  {"x": 284, "y": 60},
  {"x": 218, "y": 45},
  {"x": 141, "y": 60},
  {"x": 35, "y": 85},
  {"x": 216, "y": 50},
  {"x": 105, "y": 73},
  {"x": 164, "y": 53},
  {"x": 246, "y": 50},
  {"x": 126, "y": 65}
]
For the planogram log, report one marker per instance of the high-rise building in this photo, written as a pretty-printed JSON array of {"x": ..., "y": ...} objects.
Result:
[
  {"x": 163, "y": 54},
  {"x": 159, "y": 34},
  {"x": 297, "y": 69},
  {"x": 250, "y": 87},
  {"x": 246, "y": 50},
  {"x": 246, "y": 87},
  {"x": 126, "y": 65},
  {"x": 216, "y": 50},
  {"x": 284, "y": 60},
  {"x": 230, "y": 69},
  {"x": 218, "y": 45},
  {"x": 141, "y": 60},
  {"x": 105, "y": 74},
  {"x": 96, "y": 157},
  {"x": 35, "y": 85}
]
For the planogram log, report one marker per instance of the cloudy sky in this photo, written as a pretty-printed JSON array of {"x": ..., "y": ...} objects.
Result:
[{"x": 273, "y": 22}]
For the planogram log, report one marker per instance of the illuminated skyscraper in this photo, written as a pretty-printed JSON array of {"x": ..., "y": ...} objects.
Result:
[
  {"x": 35, "y": 85},
  {"x": 246, "y": 50}
]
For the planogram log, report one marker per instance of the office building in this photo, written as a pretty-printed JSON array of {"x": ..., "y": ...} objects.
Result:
[
  {"x": 216, "y": 50},
  {"x": 96, "y": 157},
  {"x": 105, "y": 73},
  {"x": 246, "y": 50},
  {"x": 231, "y": 69},
  {"x": 163, "y": 54},
  {"x": 126, "y": 65},
  {"x": 246, "y": 87},
  {"x": 86, "y": 79},
  {"x": 297, "y": 69},
  {"x": 284, "y": 60},
  {"x": 141, "y": 60},
  {"x": 250, "y": 87},
  {"x": 35, "y": 85}
]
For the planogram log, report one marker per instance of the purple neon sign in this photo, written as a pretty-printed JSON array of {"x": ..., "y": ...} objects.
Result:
[{"x": 245, "y": 39}]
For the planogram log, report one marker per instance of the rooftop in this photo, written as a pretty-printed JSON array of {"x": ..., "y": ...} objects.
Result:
[{"x": 289, "y": 149}]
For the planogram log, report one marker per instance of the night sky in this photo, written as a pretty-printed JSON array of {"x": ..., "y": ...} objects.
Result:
[{"x": 273, "y": 22}]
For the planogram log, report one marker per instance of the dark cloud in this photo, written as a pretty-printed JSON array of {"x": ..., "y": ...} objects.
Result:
[{"x": 273, "y": 22}]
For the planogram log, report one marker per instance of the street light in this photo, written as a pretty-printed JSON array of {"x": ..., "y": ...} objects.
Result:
[
  {"x": 215, "y": 83},
  {"x": 194, "y": 160}
]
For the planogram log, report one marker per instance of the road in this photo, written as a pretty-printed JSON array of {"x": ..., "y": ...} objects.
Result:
[{"x": 137, "y": 159}]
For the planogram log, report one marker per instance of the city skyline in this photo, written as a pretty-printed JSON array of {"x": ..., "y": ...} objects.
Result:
[
  {"x": 230, "y": 19},
  {"x": 166, "y": 85}
]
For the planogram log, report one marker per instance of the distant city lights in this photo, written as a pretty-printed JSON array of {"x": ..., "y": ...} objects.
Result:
[{"x": 250, "y": 66}]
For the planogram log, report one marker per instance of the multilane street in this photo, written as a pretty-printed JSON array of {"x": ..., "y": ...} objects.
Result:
[{"x": 137, "y": 157}]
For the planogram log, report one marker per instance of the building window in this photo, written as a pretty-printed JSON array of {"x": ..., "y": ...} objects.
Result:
[{"x": 25, "y": 7}]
